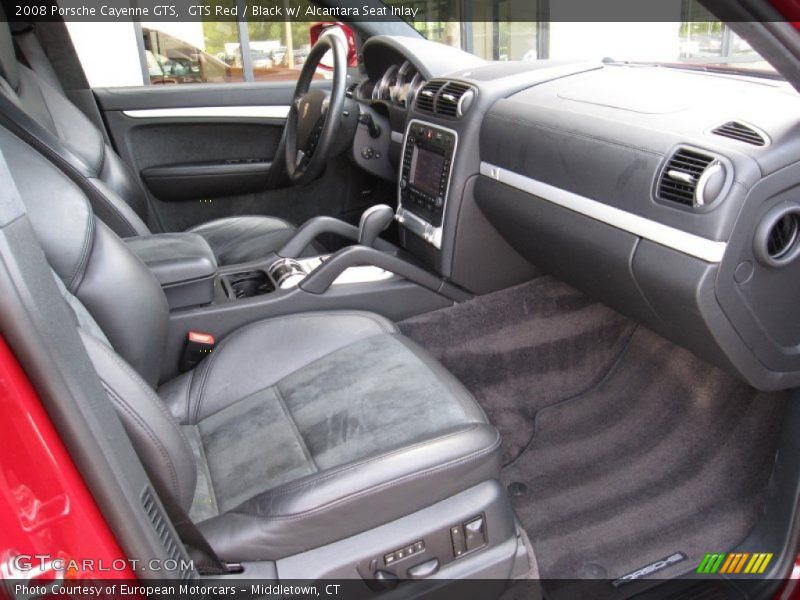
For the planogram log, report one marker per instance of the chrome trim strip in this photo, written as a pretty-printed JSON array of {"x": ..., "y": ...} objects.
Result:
[
  {"x": 221, "y": 112},
  {"x": 708, "y": 250}
]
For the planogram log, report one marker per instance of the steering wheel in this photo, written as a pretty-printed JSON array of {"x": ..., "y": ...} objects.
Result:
[{"x": 314, "y": 114}]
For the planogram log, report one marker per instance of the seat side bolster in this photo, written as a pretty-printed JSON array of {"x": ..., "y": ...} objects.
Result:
[{"x": 160, "y": 443}]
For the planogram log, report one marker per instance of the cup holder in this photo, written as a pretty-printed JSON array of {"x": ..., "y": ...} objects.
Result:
[{"x": 247, "y": 284}]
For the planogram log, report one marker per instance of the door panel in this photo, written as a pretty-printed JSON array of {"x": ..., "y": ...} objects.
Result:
[{"x": 204, "y": 151}]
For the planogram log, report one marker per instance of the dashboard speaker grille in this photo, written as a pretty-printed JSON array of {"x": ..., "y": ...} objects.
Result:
[
  {"x": 679, "y": 179},
  {"x": 741, "y": 132}
]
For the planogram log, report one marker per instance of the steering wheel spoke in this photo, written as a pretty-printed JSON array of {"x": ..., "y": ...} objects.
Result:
[{"x": 314, "y": 115}]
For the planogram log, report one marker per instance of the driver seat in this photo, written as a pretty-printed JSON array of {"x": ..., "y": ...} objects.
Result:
[{"x": 42, "y": 115}]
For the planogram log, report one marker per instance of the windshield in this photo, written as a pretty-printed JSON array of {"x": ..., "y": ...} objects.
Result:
[{"x": 710, "y": 45}]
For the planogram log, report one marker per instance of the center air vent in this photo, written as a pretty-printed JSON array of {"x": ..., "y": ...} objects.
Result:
[
  {"x": 446, "y": 98},
  {"x": 691, "y": 178},
  {"x": 741, "y": 132},
  {"x": 427, "y": 96}
]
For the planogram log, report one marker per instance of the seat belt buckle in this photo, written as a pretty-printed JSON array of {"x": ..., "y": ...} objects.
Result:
[{"x": 198, "y": 346}]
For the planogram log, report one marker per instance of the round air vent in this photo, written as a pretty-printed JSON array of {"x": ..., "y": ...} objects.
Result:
[
  {"x": 782, "y": 236},
  {"x": 777, "y": 239}
]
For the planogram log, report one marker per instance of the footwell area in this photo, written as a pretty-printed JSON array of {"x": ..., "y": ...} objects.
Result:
[
  {"x": 628, "y": 448},
  {"x": 524, "y": 348},
  {"x": 667, "y": 454}
]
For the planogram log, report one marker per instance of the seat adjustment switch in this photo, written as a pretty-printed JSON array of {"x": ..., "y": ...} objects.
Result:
[
  {"x": 424, "y": 570},
  {"x": 474, "y": 534}
]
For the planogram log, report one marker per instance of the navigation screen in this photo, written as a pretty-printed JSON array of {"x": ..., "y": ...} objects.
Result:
[{"x": 427, "y": 170}]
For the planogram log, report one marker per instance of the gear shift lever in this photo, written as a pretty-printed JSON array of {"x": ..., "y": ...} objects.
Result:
[{"x": 374, "y": 220}]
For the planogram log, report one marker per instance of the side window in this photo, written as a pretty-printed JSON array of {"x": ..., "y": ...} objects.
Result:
[
  {"x": 194, "y": 52},
  {"x": 278, "y": 50},
  {"x": 176, "y": 53}
]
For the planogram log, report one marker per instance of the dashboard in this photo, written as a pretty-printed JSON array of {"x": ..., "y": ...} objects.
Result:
[{"x": 672, "y": 196}]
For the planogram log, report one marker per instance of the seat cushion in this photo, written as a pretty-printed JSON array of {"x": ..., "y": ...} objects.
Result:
[
  {"x": 237, "y": 240},
  {"x": 313, "y": 427}
]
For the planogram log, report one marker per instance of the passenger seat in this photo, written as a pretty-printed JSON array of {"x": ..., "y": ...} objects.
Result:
[{"x": 297, "y": 432}]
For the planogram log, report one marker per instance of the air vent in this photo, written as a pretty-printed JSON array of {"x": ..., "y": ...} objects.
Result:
[
  {"x": 427, "y": 96},
  {"x": 691, "y": 178},
  {"x": 741, "y": 132},
  {"x": 160, "y": 523},
  {"x": 446, "y": 98},
  {"x": 782, "y": 236},
  {"x": 455, "y": 99},
  {"x": 777, "y": 239},
  {"x": 351, "y": 89}
]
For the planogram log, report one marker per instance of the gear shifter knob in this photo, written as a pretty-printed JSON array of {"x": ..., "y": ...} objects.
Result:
[{"x": 374, "y": 220}]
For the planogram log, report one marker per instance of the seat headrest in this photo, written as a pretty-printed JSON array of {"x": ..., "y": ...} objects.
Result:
[{"x": 8, "y": 58}]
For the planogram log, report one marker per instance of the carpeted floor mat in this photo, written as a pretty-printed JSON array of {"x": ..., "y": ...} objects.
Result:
[
  {"x": 667, "y": 454},
  {"x": 629, "y": 448},
  {"x": 523, "y": 348}
]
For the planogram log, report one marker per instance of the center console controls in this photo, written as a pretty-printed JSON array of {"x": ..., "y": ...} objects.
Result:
[
  {"x": 428, "y": 153},
  {"x": 288, "y": 273}
]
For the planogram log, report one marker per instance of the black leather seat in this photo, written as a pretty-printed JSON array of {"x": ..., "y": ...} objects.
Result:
[
  {"x": 114, "y": 191},
  {"x": 296, "y": 431}
]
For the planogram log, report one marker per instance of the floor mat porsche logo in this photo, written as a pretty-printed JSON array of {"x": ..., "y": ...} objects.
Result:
[{"x": 653, "y": 567}]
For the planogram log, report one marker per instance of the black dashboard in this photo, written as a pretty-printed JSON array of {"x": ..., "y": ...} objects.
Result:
[{"x": 670, "y": 195}]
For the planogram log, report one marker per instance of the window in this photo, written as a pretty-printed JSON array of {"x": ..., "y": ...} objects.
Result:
[
  {"x": 491, "y": 29},
  {"x": 278, "y": 50},
  {"x": 194, "y": 52},
  {"x": 169, "y": 53},
  {"x": 518, "y": 30}
]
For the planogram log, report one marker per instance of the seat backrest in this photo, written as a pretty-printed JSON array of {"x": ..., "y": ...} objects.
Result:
[
  {"x": 121, "y": 311},
  {"x": 43, "y": 115}
]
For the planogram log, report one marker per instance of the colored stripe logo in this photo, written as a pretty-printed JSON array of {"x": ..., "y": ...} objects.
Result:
[{"x": 735, "y": 563}]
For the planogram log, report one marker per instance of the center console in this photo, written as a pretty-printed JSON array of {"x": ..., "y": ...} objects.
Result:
[
  {"x": 213, "y": 300},
  {"x": 288, "y": 273},
  {"x": 427, "y": 160}
]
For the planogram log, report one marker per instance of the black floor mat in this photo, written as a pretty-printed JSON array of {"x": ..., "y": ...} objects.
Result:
[
  {"x": 523, "y": 348},
  {"x": 630, "y": 448},
  {"x": 667, "y": 454}
]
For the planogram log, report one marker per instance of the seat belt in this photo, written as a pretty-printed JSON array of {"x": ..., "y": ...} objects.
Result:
[
  {"x": 205, "y": 560},
  {"x": 18, "y": 122},
  {"x": 30, "y": 50}
]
